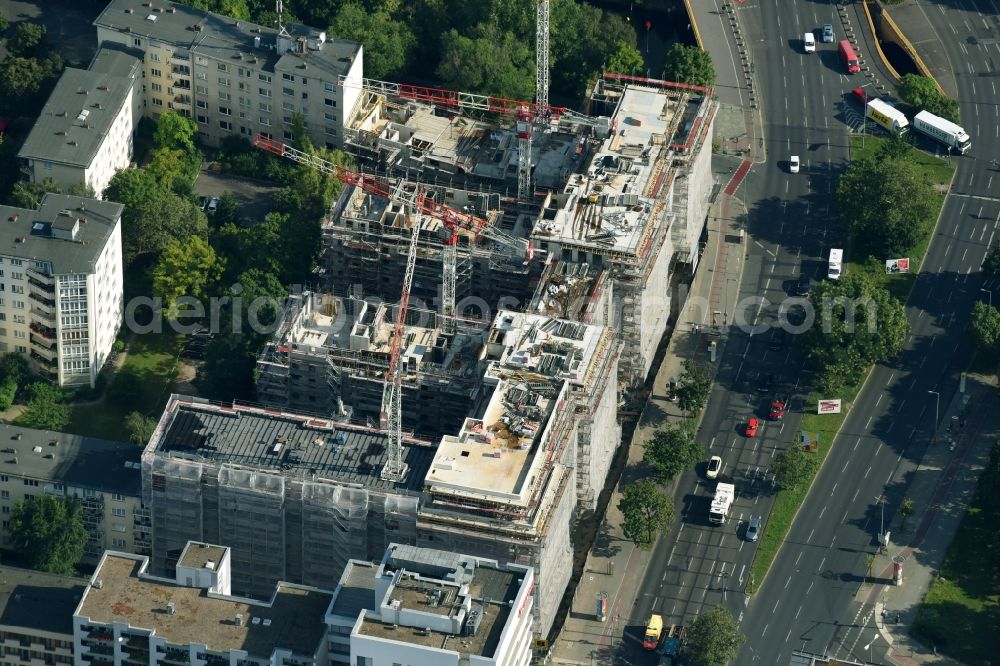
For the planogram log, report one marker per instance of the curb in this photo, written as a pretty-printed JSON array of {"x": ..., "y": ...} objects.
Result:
[
  {"x": 908, "y": 47},
  {"x": 878, "y": 47},
  {"x": 694, "y": 24}
]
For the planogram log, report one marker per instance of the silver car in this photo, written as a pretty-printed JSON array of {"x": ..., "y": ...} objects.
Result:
[
  {"x": 753, "y": 528},
  {"x": 828, "y": 33}
]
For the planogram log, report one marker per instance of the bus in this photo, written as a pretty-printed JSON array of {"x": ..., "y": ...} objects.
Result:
[
  {"x": 848, "y": 56},
  {"x": 836, "y": 264}
]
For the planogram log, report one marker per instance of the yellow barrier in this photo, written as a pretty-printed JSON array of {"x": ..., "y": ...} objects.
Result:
[
  {"x": 694, "y": 24},
  {"x": 908, "y": 47},
  {"x": 878, "y": 47}
]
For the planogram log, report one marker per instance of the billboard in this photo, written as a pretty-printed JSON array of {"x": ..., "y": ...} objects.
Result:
[
  {"x": 897, "y": 265},
  {"x": 829, "y": 407}
]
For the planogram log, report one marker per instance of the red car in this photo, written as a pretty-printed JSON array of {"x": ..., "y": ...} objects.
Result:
[
  {"x": 777, "y": 410},
  {"x": 860, "y": 96},
  {"x": 753, "y": 425}
]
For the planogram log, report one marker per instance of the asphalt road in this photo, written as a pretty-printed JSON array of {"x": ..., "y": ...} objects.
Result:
[{"x": 808, "y": 600}]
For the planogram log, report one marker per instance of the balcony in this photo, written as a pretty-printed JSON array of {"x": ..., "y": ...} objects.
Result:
[
  {"x": 46, "y": 332},
  {"x": 41, "y": 316},
  {"x": 46, "y": 305},
  {"x": 183, "y": 99},
  {"x": 48, "y": 289},
  {"x": 49, "y": 365},
  {"x": 40, "y": 277},
  {"x": 38, "y": 346}
]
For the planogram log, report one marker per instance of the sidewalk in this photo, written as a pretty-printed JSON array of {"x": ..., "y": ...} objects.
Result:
[{"x": 941, "y": 487}]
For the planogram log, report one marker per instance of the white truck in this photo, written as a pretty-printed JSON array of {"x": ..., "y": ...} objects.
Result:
[
  {"x": 836, "y": 264},
  {"x": 722, "y": 501},
  {"x": 887, "y": 116},
  {"x": 942, "y": 130}
]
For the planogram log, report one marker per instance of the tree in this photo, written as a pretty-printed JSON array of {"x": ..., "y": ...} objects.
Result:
[
  {"x": 175, "y": 131},
  {"x": 4, "y": 22},
  {"x": 694, "y": 387},
  {"x": 713, "y": 638},
  {"x": 671, "y": 450},
  {"x": 794, "y": 466},
  {"x": 81, "y": 189},
  {"x": 139, "y": 427},
  {"x": 49, "y": 532},
  {"x": 647, "y": 512},
  {"x": 984, "y": 327},
  {"x": 227, "y": 373},
  {"x": 388, "y": 43},
  {"x": 236, "y": 9},
  {"x": 8, "y": 391},
  {"x": 869, "y": 563},
  {"x": 166, "y": 165},
  {"x": 186, "y": 268},
  {"x": 46, "y": 410},
  {"x": 887, "y": 202},
  {"x": 492, "y": 62},
  {"x": 991, "y": 264},
  {"x": 27, "y": 39},
  {"x": 626, "y": 59},
  {"x": 228, "y": 211},
  {"x": 28, "y": 194},
  {"x": 906, "y": 509},
  {"x": 922, "y": 92},
  {"x": 689, "y": 64},
  {"x": 25, "y": 81}
]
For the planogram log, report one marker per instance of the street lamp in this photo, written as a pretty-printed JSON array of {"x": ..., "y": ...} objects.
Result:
[
  {"x": 868, "y": 647},
  {"x": 988, "y": 293},
  {"x": 881, "y": 533},
  {"x": 864, "y": 115},
  {"x": 937, "y": 409}
]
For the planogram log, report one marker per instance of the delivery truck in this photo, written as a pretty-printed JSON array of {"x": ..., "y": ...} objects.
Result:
[
  {"x": 722, "y": 501},
  {"x": 848, "y": 56},
  {"x": 887, "y": 116},
  {"x": 942, "y": 130},
  {"x": 654, "y": 629}
]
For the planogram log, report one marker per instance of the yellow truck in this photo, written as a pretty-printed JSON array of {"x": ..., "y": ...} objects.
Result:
[{"x": 654, "y": 628}]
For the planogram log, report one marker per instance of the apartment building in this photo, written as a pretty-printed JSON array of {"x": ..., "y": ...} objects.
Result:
[
  {"x": 104, "y": 475},
  {"x": 128, "y": 617},
  {"x": 84, "y": 132},
  {"x": 61, "y": 299},
  {"x": 36, "y": 617},
  {"x": 426, "y": 607},
  {"x": 236, "y": 77}
]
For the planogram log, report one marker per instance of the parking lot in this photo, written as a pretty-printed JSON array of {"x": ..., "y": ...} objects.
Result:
[{"x": 253, "y": 197}]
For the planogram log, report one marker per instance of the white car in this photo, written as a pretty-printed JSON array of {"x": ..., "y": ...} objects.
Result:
[
  {"x": 793, "y": 164},
  {"x": 809, "y": 42},
  {"x": 714, "y": 467},
  {"x": 213, "y": 205}
]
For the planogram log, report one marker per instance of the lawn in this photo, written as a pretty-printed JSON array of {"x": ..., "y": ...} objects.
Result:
[
  {"x": 961, "y": 611},
  {"x": 142, "y": 385},
  {"x": 938, "y": 172}
]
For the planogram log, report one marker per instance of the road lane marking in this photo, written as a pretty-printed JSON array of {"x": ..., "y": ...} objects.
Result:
[
  {"x": 822, "y": 512},
  {"x": 879, "y": 448},
  {"x": 765, "y": 630},
  {"x": 867, "y": 471},
  {"x": 809, "y": 589},
  {"x": 775, "y": 606},
  {"x": 856, "y": 494},
  {"x": 809, "y": 538},
  {"x": 788, "y": 635},
  {"x": 879, "y": 399},
  {"x": 797, "y": 612},
  {"x": 834, "y": 489},
  {"x": 845, "y": 466},
  {"x": 798, "y": 558},
  {"x": 822, "y": 563}
]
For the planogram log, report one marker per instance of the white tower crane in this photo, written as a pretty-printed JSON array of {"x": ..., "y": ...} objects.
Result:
[{"x": 525, "y": 118}]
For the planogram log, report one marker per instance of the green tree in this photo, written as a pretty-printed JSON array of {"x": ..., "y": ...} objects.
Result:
[
  {"x": 139, "y": 427},
  {"x": 689, "y": 64},
  {"x": 671, "y": 450},
  {"x": 81, "y": 189},
  {"x": 922, "y": 92},
  {"x": 175, "y": 131},
  {"x": 388, "y": 43},
  {"x": 694, "y": 386},
  {"x": 228, "y": 211},
  {"x": 794, "y": 467},
  {"x": 906, "y": 509},
  {"x": 25, "y": 82},
  {"x": 27, "y": 39},
  {"x": 887, "y": 203},
  {"x": 4, "y": 22},
  {"x": 14, "y": 366},
  {"x": 647, "y": 513},
  {"x": 237, "y": 9},
  {"x": 186, "y": 268},
  {"x": 714, "y": 638},
  {"x": 166, "y": 165},
  {"x": 626, "y": 59},
  {"x": 47, "y": 408},
  {"x": 991, "y": 264},
  {"x": 8, "y": 391},
  {"x": 227, "y": 373},
  {"x": 491, "y": 62},
  {"x": 28, "y": 194},
  {"x": 49, "y": 532},
  {"x": 984, "y": 327}
]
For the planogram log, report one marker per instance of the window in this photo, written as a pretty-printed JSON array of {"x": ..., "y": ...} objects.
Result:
[
  {"x": 264, "y": 106},
  {"x": 14, "y": 275},
  {"x": 6, "y": 523},
  {"x": 286, "y": 119},
  {"x": 156, "y": 87},
  {"x": 242, "y": 85},
  {"x": 264, "y": 120},
  {"x": 16, "y": 289},
  {"x": 225, "y": 110},
  {"x": 157, "y": 101},
  {"x": 155, "y": 72},
  {"x": 19, "y": 305},
  {"x": 136, "y": 42},
  {"x": 202, "y": 119},
  {"x": 243, "y": 116},
  {"x": 202, "y": 104},
  {"x": 223, "y": 67},
  {"x": 329, "y": 117},
  {"x": 20, "y": 349},
  {"x": 201, "y": 76},
  {"x": 117, "y": 511},
  {"x": 264, "y": 92},
  {"x": 201, "y": 90},
  {"x": 118, "y": 497},
  {"x": 4, "y": 478},
  {"x": 247, "y": 102},
  {"x": 329, "y": 87},
  {"x": 225, "y": 97},
  {"x": 224, "y": 81},
  {"x": 287, "y": 106},
  {"x": 288, "y": 92},
  {"x": 118, "y": 543},
  {"x": 117, "y": 527},
  {"x": 31, "y": 482},
  {"x": 19, "y": 334},
  {"x": 266, "y": 78},
  {"x": 330, "y": 102},
  {"x": 155, "y": 57},
  {"x": 226, "y": 125},
  {"x": 4, "y": 494},
  {"x": 16, "y": 262}
]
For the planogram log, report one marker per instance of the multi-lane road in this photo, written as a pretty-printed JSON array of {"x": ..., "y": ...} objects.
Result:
[{"x": 809, "y": 599}]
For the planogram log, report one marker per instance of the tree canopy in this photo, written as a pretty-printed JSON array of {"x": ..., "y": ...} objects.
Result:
[
  {"x": 388, "y": 42},
  {"x": 175, "y": 131},
  {"x": 984, "y": 327},
  {"x": 714, "y": 638},
  {"x": 186, "y": 268},
  {"x": 49, "y": 532},
  {"x": 794, "y": 467},
  {"x": 689, "y": 64},
  {"x": 991, "y": 264},
  {"x": 139, "y": 427},
  {"x": 28, "y": 39},
  {"x": 922, "y": 93},
  {"x": 694, "y": 387},
  {"x": 47, "y": 408},
  {"x": 887, "y": 202},
  {"x": 647, "y": 512},
  {"x": 671, "y": 450},
  {"x": 492, "y": 61}
]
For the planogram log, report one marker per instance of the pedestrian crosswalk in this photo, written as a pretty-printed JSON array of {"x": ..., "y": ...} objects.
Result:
[{"x": 854, "y": 120}]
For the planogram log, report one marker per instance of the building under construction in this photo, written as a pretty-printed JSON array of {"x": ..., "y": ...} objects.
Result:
[{"x": 295, "y": 497}]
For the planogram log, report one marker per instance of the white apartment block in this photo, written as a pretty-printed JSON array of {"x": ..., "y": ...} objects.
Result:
[
  {"x": 36, "y": 617},
  {"x": 61, "y": 301},
  {"x": 103, "y": 475},
  {"x": 426, "y": 607},
  {"x": 128, "y": 617},
  {"x": 84, "y": 132},
  {"x": 236, "y": 77}
]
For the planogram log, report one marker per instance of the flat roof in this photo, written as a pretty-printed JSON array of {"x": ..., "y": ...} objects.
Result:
[
  {"x": 73, "y": 460},
  {"x": 22, "y": 232},
  {"x": 355, "y": 591},
  {"x": 196, "y": 555},
  {"x": 288, "y": 444},
  {"x": 294, "y": 619},
  {"x": 224, "y": 38},
  {"x": 39, "y": 601},
  {"x": 77, "y": 117}
]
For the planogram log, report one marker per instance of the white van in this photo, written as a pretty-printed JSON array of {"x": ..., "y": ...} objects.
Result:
[
  {"x": 809, "y": 42},
  {"x": 836, "y": 265}
]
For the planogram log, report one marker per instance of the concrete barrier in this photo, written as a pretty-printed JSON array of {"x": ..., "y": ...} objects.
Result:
[
  {"x": 694, "y": 24},
  {"x": 896, "y": 36}
]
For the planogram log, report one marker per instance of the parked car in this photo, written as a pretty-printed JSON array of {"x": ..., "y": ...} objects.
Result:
[
  {"x": 793, "y": 164},
  {"x": 752, "y": 427},
  {"x": 764, "y": 382},
  {"x": 203, "y": 202},
  {"x": 714, "y": 467},
  {"x": 753, "y": 528},
  {"x": 828, "y": 37},
  {"x": 804, "y": 286},
  {"x": 860, "y": 96},
  {"x": 777, "y": 411},
  {"x": 213, "y": 205}
]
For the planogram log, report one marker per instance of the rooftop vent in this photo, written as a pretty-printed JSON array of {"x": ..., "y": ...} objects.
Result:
[
  {"x": 266, "y": 622},
  {"x": 171, "y": 608},
  {"x": 67, "y": 212},
  {"x": 12, "y": 218},
  {"x": 36, "y": 449},
  {"x": 151, "y": 17},
  {"x": 210, "y": 565},
  {"x": 239, "y": 619},
  {"x": 129, "y": 10},
  {"x": 61, "y": 133},
  {"x": 255, "y": 620},
  {"x": 102, "y": 87},
  {"x": 71, "y": 142},
  {"x": 173, "y": 10}
]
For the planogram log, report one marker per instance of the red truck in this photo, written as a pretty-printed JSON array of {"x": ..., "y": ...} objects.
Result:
[{"x": 848, "y": 56}]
